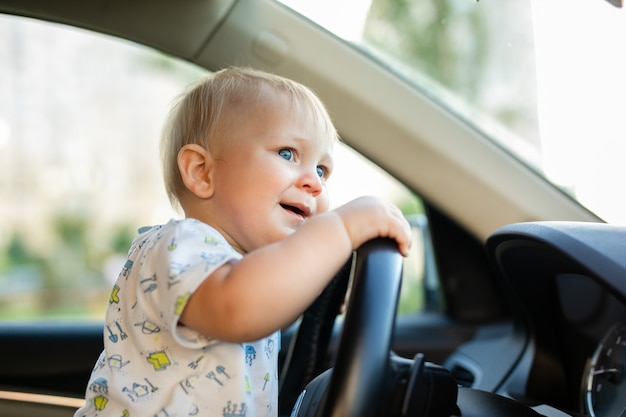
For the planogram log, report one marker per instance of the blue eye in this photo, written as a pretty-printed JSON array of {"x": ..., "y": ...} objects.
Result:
[
  {"x": 286, "y": 154},
  {"x": 321, "y": 172}
]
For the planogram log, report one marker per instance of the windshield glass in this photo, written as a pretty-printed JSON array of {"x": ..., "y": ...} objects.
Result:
[{"x": 543, "y": 79}]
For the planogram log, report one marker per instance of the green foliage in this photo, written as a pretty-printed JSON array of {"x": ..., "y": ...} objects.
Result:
[
  {"x": 65, "y": 279},
  {"x": 17, "y": 253},
  {"x": 411, "y": 298},
  {"x": 121, "y": 240},
  {"x": 435, "y": 36},
  {"x": 411, "y": 204}
]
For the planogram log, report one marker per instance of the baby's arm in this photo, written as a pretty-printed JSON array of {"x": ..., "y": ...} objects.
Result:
[{"x": 269, "y": 287}]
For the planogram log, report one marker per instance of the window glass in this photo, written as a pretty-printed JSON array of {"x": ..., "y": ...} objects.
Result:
[
  {"x": 80, "y": 119},
  {"x": 353, "y": 176},
  {"x": 80, "y": 116},
  {"x": 523, "y": 73}
]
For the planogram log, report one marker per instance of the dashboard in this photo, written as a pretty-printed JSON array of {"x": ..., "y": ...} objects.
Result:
[{"x": 564, "y": 348}]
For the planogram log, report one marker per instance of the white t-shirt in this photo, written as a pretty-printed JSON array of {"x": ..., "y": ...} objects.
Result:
[{"x": 151, "y": 365}]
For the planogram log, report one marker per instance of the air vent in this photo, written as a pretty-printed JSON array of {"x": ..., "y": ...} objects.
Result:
[{"x": 463, "y": 376}]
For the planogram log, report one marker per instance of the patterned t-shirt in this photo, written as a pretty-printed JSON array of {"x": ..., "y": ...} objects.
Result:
[{"x": 153, "y": 366}]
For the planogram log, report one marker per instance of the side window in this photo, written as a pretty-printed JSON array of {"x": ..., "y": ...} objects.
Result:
[
  {"x": 80, "y": 119},
  {"x": 353, "y": 176}
]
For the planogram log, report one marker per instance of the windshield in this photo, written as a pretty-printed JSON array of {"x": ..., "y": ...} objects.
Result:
[{"x": 543, "y": 79}]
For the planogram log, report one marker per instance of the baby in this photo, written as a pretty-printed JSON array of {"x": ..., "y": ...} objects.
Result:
[{"x": 192, "y": 326}]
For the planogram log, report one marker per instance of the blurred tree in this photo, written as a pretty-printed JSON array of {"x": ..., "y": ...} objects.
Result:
[
  {"x": 465, "y": 47},
  {"x": 17, "y": 253},
  {"x": 65, "y": 279},
  {"x": 121, "y": 240},
  {"x": 436, "y": 36}
]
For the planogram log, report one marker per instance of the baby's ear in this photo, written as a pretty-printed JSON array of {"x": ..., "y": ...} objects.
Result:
[{"x": 196, "y": 168}]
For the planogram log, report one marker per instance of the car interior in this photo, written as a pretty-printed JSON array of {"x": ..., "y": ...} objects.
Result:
[{"x": 522, "y": 298}]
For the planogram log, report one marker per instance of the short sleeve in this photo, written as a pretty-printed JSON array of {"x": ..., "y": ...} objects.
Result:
[{"x": 175, "y": 261}]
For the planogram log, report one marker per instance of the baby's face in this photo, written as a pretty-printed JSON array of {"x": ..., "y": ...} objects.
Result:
[{"x": 270, "y": 173}]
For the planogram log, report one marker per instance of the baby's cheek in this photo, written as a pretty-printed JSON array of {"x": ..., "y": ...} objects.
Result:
[{"x": 323, "y": 202}]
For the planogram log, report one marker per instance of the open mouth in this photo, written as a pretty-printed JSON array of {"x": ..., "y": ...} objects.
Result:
[{"x": 294, "y": 209}]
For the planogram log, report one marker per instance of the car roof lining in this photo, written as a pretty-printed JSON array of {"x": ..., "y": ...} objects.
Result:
[{"x": 182, "y": 31}]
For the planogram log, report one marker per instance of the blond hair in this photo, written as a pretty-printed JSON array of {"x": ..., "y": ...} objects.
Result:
[{"x": 197, "y": 116}]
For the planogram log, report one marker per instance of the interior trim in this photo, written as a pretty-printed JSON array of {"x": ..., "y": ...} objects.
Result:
[{"x": 27, "y": 397}]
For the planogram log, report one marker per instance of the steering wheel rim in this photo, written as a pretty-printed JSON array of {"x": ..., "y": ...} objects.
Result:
[{"x": 359, "y": 374}]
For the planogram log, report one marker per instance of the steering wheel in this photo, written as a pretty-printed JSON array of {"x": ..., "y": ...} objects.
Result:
[
  {"x": 359, "y": 375},
  {"x": 358, "y": 385}
]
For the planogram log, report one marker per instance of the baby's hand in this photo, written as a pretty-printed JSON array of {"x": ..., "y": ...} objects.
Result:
[{"x": 369, "y": 217}]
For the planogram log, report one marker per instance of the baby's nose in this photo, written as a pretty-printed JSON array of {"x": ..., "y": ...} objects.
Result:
[{"x": 311, "y": 182}]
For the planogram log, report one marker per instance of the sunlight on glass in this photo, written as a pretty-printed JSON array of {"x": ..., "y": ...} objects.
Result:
[
  {"x": 542, "y": 79},
  {"x": 581, "y": 100},
  {"x": 345, "y": 18}
]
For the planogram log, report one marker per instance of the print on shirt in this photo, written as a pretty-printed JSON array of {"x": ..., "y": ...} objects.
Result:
[
  {"x": 159, "y": 360},
  {"x": 116, "y": 362},
  {"x": 248, "y": 388},
  {"x": 176, "y": 269},
  {"x": 181, "y": 302},
  {"x": 269, "y": 347},
  {"x": 194, "y": 364},
  {"x": 126, "y": 269},
  {"x": 148, "y": 284},
  {"x": 212, "y": 240},
  {"x": 189, "y": 384},
  {"x": 235, "y": 410},
  {"x": 219, "y": 375},
  {"x": 194, "y": 410},
  {"x": 139, "y": 390},
  {"x": 250, "y": 354},
  {"x": 164, "y": 413},
  {"x": 100, "y": 402},
  {"x": 115, "y": 298},
  {"x": 99, "y": 386},
  {"x": 116, "y": 332},
  {"x": 148, "y": 327},
  {"x": 266, "y": 379},
  {"x": 212, "y": 259}
]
